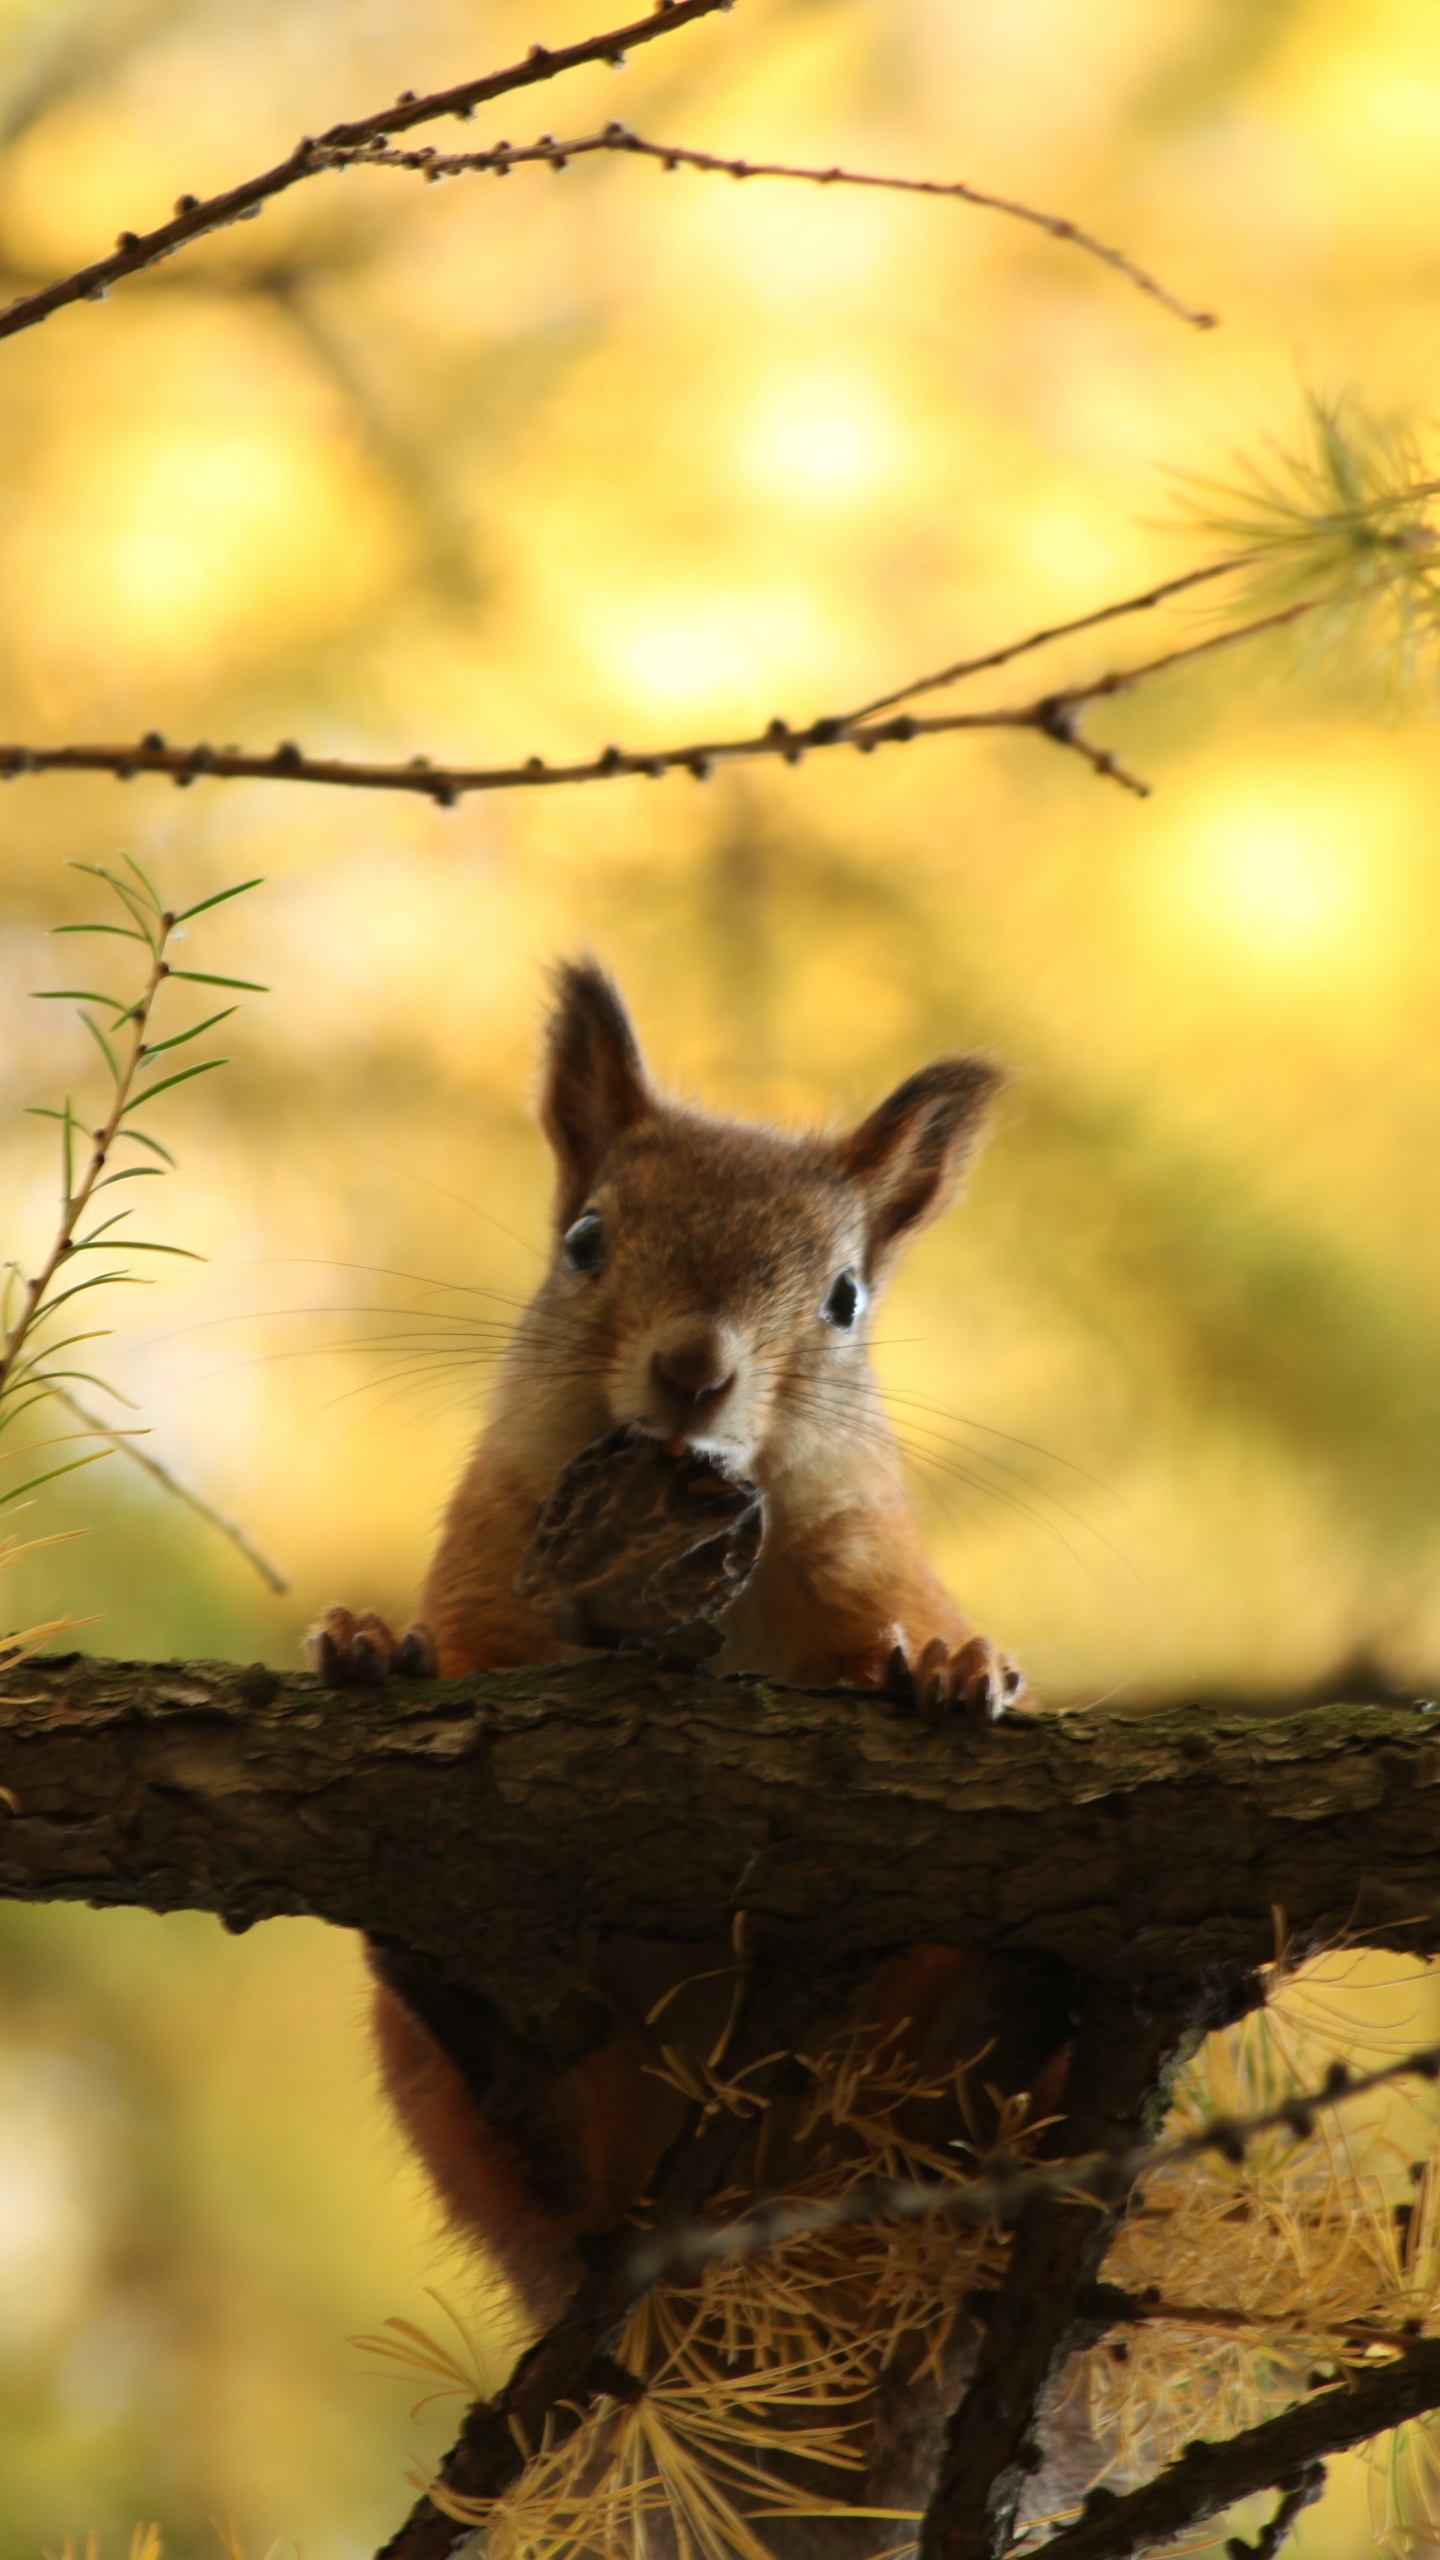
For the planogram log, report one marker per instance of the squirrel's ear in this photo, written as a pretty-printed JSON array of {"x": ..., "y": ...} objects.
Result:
[
  {"x": 906, "y": 1160},
  {"x": 595, "y": 1081}
]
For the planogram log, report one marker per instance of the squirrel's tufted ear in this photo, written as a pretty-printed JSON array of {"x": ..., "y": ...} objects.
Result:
[
  {"x": 906, "y": 1160},
  {"x": 595, "y": 1080}
]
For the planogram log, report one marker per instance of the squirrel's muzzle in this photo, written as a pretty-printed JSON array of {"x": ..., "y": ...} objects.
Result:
[{"x": 692, "y": 1370}]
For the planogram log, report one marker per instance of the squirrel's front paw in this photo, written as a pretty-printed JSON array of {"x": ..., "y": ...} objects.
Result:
[
  {"x": 973, "y": 1679},
  {"x": 350, "y": 1649}
]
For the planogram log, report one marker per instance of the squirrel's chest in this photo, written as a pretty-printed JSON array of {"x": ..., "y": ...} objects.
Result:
[{"x": 811, "y": 1607}]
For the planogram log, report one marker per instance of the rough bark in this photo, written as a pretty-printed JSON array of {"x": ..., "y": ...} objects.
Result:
[
  {"x": 506, "y": 1825},
  {"x": 1208, "y": 2478},
  {"x": 505, "y": 1828},
  {"x": 1114, "y": 2095}
]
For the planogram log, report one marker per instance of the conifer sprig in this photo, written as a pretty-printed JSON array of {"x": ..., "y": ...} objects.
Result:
[
  {"x": 39, "y": 1366},
  {"x": 1344, "y": 523}
]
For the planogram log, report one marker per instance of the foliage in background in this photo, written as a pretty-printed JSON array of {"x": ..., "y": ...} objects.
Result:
[{"x": 562, "y": 461}]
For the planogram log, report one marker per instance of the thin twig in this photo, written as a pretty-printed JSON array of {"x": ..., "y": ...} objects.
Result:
[
  {"x": 1302, "y": 2492},
  {"x": 1056, "y": 716},
  {"x": 195, "y": 217},
  {"x": 125, "y": 1443},
  {"x": 1006, "y": 2183},
  {"x": 1275, "y": 2454},
  {"x": 77, "y": 1199},
  {"x": 960, "y": 668},
  {"x": 1121, "y": 2310},
  {"x": 502, "y": 157}
]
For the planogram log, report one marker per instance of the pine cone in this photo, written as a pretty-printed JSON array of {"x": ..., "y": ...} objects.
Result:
[{"x": 632, "y": 1541}]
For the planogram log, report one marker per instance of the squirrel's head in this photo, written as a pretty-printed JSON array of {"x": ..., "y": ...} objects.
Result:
[{"x": 712, "y": 1279}]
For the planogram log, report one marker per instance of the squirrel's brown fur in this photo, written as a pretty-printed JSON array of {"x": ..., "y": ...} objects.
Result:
[{"x": 709, "y": 1316}]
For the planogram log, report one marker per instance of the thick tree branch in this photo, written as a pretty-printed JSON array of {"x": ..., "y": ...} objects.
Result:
[
  {"x": 551, "y": 153},
  {"x": 502, "y": 1825},
  {"x": 1057, "y": 716},
  {"x": 196, "y": 217},
  {"x": 506, "y": 1827},
  {"x": 1123, "y": 2051}
]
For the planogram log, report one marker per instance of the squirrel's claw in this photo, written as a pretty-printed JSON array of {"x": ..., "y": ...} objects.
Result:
[
  {"x": 355, "y": 1649},
  {"x": 973, "y": 1680},
  {"x": 982, "y": 1681}
]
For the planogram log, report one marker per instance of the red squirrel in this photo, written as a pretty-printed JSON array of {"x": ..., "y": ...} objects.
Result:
[{"x": 710, "y": 1284}]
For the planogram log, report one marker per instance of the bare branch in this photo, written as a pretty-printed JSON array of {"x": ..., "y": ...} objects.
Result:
[
  {"x": 853, "y": 1826},
  {"x": 1210, "y": 2477},
  {"x": 502, "y": 157},
  {"x": 1123, "y": 2052},
  {"x": 1056, "y": 716},
  {"x": 124, "y": 1442},
  {"x": 1302, "y": 2492},
  {"x": 196, "y": 217},
  {"x": 1118, "y": 2309},
  {"x": 960, "y": 668},
  {"x": 1007, "y": 2184}
]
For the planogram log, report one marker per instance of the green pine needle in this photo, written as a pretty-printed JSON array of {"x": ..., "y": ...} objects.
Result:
[
  {"x": 29, "y": 1375},
  {"x": 1347, "y": 521}
]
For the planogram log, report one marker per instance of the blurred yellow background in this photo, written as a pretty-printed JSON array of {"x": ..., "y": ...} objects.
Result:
[{"x": 477, "y": 473}]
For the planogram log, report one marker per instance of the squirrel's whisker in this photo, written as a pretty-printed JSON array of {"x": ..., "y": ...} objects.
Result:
[{"x": 708, "y": 1292}]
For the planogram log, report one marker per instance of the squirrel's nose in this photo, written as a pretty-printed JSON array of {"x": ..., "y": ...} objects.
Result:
[{"x": 696, "y": 1367}]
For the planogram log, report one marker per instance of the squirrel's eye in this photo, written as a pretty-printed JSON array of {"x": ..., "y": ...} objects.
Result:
[
  {"x": 845, "y": 1302},
  {"x": 584, "y": 1243}
]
